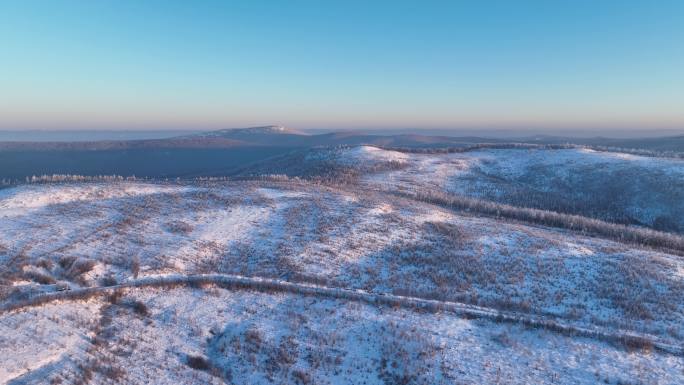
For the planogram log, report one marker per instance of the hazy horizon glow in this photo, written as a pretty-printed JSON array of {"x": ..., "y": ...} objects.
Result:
[{"x": 353, "y": 64}]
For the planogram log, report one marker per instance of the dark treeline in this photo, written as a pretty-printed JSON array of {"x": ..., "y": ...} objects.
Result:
[
  {"x": 480, "y": 146},
  {"x": 533, "y": 146},
  {"x": 622, "y": 233}
]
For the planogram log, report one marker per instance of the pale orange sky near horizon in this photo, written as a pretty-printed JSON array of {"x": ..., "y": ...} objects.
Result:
[{"x": 352, "y": 64}]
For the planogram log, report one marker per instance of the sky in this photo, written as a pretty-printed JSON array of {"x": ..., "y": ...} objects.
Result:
[{"x": 136, "y": 64}]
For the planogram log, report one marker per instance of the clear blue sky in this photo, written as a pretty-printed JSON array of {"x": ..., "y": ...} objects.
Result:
[{"x": 337, "y": 64}]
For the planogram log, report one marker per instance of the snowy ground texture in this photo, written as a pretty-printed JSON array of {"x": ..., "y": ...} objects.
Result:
[
  {"x": 59, "y": 236},
  {"x": 620, "y": 188},
  {"x": 218, "y": 336}
]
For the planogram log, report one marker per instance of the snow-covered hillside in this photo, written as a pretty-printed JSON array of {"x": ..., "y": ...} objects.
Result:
[
  {"x": 357, "y": 236},
  {"x": 95, "y": 234},
  {"x": 215, "y": 336},
  {"x": 261, "y": 130},
  {"x": 611, "y": 186}
]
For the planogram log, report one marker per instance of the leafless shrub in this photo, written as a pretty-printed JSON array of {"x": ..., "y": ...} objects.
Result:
[
  {"x": 138, "y": 307},
  {"x": 502, "y": 338},
  {"x": 401, "y": 364},
  {"x": 135, "y": 266},
  {"x": 65, "y": 262},
  {"x": 115, "y": 297},
  {"x": 109, "y": 280},
  {"x": 198, "y": 362},
  {"x": 40, "y": 277},
  {"x": 301, "y": 377},
  {"x": 112, "y": 372},
  {"x": 45, "y": 264},
  {"x": 179, "y": 227},
  {"x": 13, "y": 269},
  {"x": 5, "y": 292},
  {"x": 86, "y": 372},
  {"x": 309, "y": 278},
  {"x": 453, "y": 233},
  {"x": 97, "y": 365},
  {"x": 16, "y": 295},
  {"x": 79, "y": 267},
  {"x": 287, "y": 351},
  {"x": 254, "y": 337}
]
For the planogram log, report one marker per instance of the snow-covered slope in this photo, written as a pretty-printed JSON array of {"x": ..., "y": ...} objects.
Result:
[
  {"x": 261, "y": 130},
  {"x": 96, "y": 234},
  {"x": 363, "y": 155},
  {"x": 215, "y": 336},
  {"x": 340, "y": 238},
  {"x": 611, "y": 186}
]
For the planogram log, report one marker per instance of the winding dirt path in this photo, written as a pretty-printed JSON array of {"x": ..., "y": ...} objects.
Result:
[{"x": 235, "y": 282}]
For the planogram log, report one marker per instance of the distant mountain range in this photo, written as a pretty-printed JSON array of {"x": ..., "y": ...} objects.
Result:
[
  {"x": 280, "y": 136},
  {"x": 224, "y": 151},
  {"x": 277, "y": 136}
]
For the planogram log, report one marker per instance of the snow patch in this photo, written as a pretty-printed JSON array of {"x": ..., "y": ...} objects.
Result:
[{"x": 362, "y": 155}]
